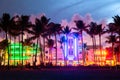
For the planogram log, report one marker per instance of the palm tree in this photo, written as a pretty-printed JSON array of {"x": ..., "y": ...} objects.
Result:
[
  {"x": 38, "y": 30},
  {"x": 55, "y": 29},
  {"x": 5, "y": 23},
  {"x": 100, "y": 31},
  {"x": 44, "y": 36},
  {"x": 62, "y": 41},
  {"x": 44, "y": 21},
  {"x": 117, "y": 25},
  {"x": 116, "y": 52},
  {"x": 50, "y": 44},
  {"x": 3, "y": 44},
  {"x": 14, "y": 31},
  {"x": 24, "y": 27},
  {"x": 80, "y": 28},
  {"x": 65, "y": 31},
  {"x": 92, "y": 31},
  {"x": 112, "y": 37}
]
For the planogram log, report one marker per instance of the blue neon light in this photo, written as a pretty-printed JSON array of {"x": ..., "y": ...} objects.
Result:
[
  {"x": 75, "y": 49},
  {"x": 71, "y": 44},
  {"x": 66, "y": 46}
]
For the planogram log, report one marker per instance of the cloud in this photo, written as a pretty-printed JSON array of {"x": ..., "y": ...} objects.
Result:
[
  {"x": 103, "y": 22},
  {"x": 32, "y": 19},
  {"x": 77, "y": 17},
  {"x": 87, "y": 19},
  {"x": 64, "y": 22}
]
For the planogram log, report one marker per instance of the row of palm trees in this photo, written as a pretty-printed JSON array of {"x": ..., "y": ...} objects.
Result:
[{"x": 19, "y": 25}]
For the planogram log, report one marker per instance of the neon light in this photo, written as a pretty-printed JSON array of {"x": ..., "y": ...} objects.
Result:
[
  {"x": 75, "y": 49},
  {"x": 66, "y": 46},
  {"x": 19, "y": 58},
  {"x": 16, "y": 51},
  {"x": 65, "y": 49},
  {"x": 70, "y": 57}
]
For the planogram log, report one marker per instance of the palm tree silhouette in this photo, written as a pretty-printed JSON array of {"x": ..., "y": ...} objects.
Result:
[
  {"x": 55, "y": 29},
  {"x": 5, "y": 23},
  {"x": 25, "y": 25},
  {"x": 38, "y": 30},
  {"x": 50, "y": 44},
  {"x": 116, "y": 52},
  {"x": 112, "y": 39},
  {"x": 80, "y": 28},
  {"x": 117, "y": 25},
  {"x": 62, "y": 41},
  {"x": 14, "y": 31},
  {"x": 65, "y": 31},
  {"x": 3, "y": 44},
  {"x": 92, "y": 31},
  {"x": 100, "y": 31}
]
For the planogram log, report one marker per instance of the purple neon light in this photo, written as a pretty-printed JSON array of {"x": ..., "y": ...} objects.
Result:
[
  {"x": 71, "y": 44},
  {"x": 76, "y": 49},
  {"x": 66, "y": 47}
]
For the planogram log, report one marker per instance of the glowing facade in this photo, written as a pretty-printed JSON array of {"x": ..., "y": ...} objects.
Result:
[
  {"x": 70, "y": 54},
  {"x": 72, "y": 48},
  {"x": 18, "y": 53}
]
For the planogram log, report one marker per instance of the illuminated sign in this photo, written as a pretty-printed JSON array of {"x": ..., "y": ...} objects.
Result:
[{"x": 19, "y": 52}]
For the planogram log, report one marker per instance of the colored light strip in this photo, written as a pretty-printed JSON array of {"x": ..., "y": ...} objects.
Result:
[
  {"x": 75, "y": 49},
  {"x": 19, "y": 58},
  {"x": 16, "y": 51},
  {"x": 65, "y": 49}
]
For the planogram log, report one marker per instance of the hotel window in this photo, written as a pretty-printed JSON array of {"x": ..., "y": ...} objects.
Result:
[
  {"x": 70, "y": 52},
  {"x": 70, "y": 41}
]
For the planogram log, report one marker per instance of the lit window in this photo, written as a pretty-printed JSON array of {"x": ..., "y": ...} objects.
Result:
[{"x": 70, "y": 52}]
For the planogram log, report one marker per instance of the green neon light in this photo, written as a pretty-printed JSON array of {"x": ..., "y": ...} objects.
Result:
[
  {"x": 19, "y": 58},
  {"x": 15, "y": 51}
]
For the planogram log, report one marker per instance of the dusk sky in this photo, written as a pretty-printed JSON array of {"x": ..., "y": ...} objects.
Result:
[
  {"x": 58, "y": 10},
  {"x": 62, "y": 9}
]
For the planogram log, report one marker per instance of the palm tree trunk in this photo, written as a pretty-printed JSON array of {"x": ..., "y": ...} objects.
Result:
[
  {"x": 100, "y": 47},
  {"x": 56, "y": 48},
  {"x": 41, "y": 51},
  {"x": 78, "y": 58},
  {"x": 44, "y": 59},
  {"x": 49, "y": 56},
  {"x": 14, "y": 51},
  {"x": 22, "y": 48},
  {"x": 82, "y": 48},
  {"x": 119, "y": 47},
  {"x": 116, "y": 57},
  {"x": 36, "y": 51},
  {"x": 8, "y": 50},
  {"x": 65, "y": 61},
  {"x": 10, "y": 46},
  {"x": 19, "y": 50},
  {"x": 63, "y": 54},
  {"x": 93, "y": 48},
  {"x": 113, "y": 50}
]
